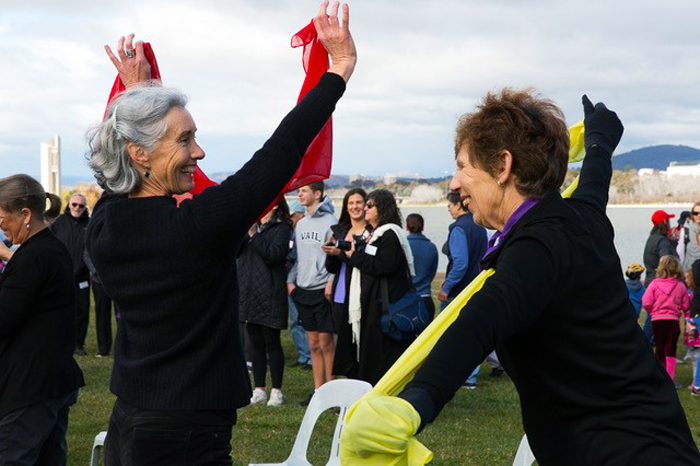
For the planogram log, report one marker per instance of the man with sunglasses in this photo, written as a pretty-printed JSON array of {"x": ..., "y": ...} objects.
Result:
[{"x": 70, "y": 229}]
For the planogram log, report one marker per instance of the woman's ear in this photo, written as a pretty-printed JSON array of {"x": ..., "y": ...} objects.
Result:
[
  {"x": 26, "y": 216},
  {"x": 506, "y": 167},
  {"x": 138, "y": 155}
]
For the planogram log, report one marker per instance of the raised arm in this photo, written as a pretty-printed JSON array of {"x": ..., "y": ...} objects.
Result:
[
  {"x": 132, "y": 65},
  {"x": 603, "y": 130}
]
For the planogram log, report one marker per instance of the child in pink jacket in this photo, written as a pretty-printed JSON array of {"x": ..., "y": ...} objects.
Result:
[{"x": 666, "y": 299}]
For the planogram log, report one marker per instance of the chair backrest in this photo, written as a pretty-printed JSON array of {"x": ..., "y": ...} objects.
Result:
[
  {"x": 336, "y": 393},
  {"x": 524, "y": 456}
]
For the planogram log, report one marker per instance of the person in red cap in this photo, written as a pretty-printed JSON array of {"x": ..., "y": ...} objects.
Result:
[{"x": 658, "y": 244}]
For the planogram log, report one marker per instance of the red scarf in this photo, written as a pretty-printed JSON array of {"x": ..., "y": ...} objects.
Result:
[{"x": 316, "y": 164}]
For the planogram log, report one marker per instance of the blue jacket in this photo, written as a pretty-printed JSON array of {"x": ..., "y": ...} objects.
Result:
[
  {"x": 465, "y": 247},
  {"x": 636, "y": 290},
  {"x": 425, "y": 260}
]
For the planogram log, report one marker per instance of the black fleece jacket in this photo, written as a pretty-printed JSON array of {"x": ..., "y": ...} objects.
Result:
[{"x": 558, "y": 313}]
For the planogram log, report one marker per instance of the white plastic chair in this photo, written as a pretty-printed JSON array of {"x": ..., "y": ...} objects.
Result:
[
  {"x": 524, "y": 456},
  {"x": 334, "y": 394},
  {"x": 96, "y": 447}
]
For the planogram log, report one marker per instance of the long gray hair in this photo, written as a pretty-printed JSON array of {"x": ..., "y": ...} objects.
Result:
[{"x": 136, "y": 116}]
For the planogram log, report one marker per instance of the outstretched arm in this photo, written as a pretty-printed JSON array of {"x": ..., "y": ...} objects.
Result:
[{"x": 603, "y": 130}]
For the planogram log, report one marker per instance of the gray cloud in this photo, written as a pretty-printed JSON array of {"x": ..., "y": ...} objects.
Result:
[{"x": 421, "y": 65}]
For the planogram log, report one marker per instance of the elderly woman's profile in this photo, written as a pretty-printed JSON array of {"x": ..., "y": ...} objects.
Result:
[
  {"x": 556, "y": 309},
  {"x": 179, "y": 373}
]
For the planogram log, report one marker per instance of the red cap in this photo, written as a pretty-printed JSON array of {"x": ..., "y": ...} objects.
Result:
[{"x": 660, "y": 216}]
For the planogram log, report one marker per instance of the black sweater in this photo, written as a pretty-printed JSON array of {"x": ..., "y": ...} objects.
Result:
[
  {"x": 37, "y": 324},
  {"x": 172, "y": 272},
  {"x": 558, "y": 312}
]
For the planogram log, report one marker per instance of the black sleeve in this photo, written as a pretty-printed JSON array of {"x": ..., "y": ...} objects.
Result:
[
  {"x": 230, "y": 208},
  {"x": 20, "y": 288},
  {"x": 594, "y": 181},
  {"x": 333, "y": 263},
  {"x": 273, "y": 246},
  {"x": 510, "y": 301},
  {"x": 387, "y": 260},
  {"x": 666, "y": 248}
]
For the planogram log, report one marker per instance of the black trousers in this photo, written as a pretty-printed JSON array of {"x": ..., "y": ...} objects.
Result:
[
  {"x": 103, "y": 319},
  {"x": 82, "y": 311},
  {"x": 36, "y": 434},
  {"x": 138, "y": 437},
  {"x": 266, "y": 343}
]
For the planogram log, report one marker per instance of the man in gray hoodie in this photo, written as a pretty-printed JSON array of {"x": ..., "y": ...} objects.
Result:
[{"x": 308, "y": 279}]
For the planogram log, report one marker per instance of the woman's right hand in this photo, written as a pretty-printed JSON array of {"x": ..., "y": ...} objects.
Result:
[
  {"x": 132, "y": 70},
  {"x": 336, "y": 38}
]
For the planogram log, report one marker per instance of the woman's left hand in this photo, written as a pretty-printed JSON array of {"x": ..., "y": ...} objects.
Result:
[{"x": 132, "y": 69}]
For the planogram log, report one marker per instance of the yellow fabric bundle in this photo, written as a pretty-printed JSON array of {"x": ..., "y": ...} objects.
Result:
[{"x": 364, "y": 442}]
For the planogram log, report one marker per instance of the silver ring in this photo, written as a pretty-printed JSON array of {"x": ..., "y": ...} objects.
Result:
[{"x": 130, "y": 53}]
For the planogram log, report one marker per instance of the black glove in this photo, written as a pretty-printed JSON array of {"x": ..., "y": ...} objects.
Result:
[{"x": 602, "y": 126}]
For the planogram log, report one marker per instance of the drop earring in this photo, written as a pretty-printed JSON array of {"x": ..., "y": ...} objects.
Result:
[
  {"x": 146, "y": 173},
  {"x": 27, "y": 225}
]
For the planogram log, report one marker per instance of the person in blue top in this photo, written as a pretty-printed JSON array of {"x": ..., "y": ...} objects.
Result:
[
  {"x": 425, "y": 260},
  {"x": 465, "y": 247},
  {"x": 635, "y": 286}
]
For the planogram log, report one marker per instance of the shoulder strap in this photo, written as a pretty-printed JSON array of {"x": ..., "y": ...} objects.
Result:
[{"x": 384, "y": 287}]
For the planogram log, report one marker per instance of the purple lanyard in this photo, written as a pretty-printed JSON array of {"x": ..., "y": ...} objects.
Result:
[{"x": 497, "y": 238}]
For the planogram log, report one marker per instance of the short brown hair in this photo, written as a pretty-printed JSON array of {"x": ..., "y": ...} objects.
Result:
[
  {"x": 415, "y": 223},
  {"x": 18, "y": 192},
  {"x": 317, "y": 186},
  {"x": 669, "y": 266},
  {"x": 527, "y": 125}
]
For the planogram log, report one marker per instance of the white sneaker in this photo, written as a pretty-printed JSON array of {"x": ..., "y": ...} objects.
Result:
[
  {"x": 276, "y": 398},
  {"x": 259, "y": 396}
]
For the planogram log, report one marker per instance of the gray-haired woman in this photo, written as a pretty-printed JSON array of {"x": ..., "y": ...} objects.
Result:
[{"x": 179, "y": 372}]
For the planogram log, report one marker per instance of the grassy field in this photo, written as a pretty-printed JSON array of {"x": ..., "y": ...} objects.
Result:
[{"x": 479, "y": 427}]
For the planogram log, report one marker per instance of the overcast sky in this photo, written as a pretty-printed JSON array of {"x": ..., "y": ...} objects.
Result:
[{"x": 421, "y": 65}]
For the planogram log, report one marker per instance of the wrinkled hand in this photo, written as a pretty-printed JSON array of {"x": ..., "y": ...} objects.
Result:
[
  {"x": 336, "y": 38},
  {"x": 382, "y": 428},
  {"x": 132, "y": 70},
  {"x": 602, "y": 127}
]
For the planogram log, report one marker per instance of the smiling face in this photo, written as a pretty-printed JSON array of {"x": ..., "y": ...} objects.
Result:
[
  {"x": 356, "y": 207},
  {"x": 77, "y": 205},
  {"x": 13, "y": 225},
  {"x": 174, "y": 159},
  {"x": 479, "y": 190},
  {"x": 695, "y": 214}
]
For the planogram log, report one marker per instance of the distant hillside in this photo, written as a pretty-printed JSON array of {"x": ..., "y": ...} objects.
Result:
[{"x": 656, "y": 157}]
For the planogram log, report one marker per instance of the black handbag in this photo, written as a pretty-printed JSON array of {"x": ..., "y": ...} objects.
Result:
[{"x": 404, "y": 319}]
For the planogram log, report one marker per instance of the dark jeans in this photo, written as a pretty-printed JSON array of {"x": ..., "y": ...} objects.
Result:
[
  {"x": 666, "y": 333},
  {"x": 137, "y": 437},
  {"x": 103, "y": 319},
  {"x": 266, "y": 342},
  {"x": 36, "y": 434},
  {"x": 82, "y": 312}
]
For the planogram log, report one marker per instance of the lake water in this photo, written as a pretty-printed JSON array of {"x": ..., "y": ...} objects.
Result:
[{"x": 632, "y": 226}]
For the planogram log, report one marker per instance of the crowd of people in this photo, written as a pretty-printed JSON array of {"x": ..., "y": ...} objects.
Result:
[
  {"x": 671, "y": 271},
  {"x": 206, "y": 286}
]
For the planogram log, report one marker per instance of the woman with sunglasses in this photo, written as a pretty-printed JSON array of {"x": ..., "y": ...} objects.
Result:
[
  {"x": 70, "y": 229},
  {"x": 384, "y": 256}
]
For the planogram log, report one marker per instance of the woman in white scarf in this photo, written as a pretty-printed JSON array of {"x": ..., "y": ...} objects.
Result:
[{"x": 386, "y": 255}]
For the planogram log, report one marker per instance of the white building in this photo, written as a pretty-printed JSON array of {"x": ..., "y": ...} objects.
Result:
[
  {"x": 50, "y": 157},
  {"x": 683, "y": 169}
]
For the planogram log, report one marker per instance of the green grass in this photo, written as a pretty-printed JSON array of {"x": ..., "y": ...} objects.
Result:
[{"x": 480, "y": 427}]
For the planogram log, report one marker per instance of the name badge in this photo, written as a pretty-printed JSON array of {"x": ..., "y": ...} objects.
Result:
[
  {"x": 371, "y": 250},
  {"x": 82, "y": 285},
  {"x": 291, "y": 244}
]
